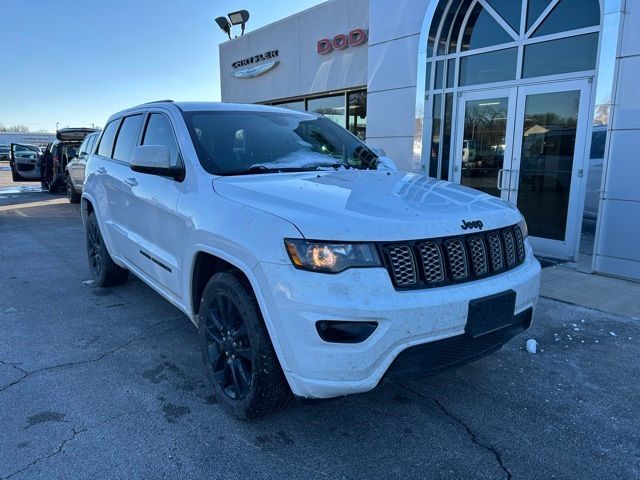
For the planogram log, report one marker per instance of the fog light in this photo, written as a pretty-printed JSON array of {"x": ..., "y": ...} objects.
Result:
[{"x": 345, "y": 332}]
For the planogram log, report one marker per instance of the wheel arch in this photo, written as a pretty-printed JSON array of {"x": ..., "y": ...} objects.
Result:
[{"x": 209, "y": 261}]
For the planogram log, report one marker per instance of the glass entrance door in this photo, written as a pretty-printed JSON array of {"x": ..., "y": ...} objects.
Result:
[
  {"x": 526, "y": 145},
  {"x": 485, "y": 140},
  {"x": 549, "y": 149}
]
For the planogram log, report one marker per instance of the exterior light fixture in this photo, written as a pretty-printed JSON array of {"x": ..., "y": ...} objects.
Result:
[
  {"x": 239, "y": 18},
  {"x": 225, "y": 26}
]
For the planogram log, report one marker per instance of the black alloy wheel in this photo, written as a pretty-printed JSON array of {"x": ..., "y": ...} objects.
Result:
[
  {"x": 228, "y": 347},
  {"x": 241, "y": 364},
  {"x": 94, "y": 249},
  {"x": 104, "y": 270}
]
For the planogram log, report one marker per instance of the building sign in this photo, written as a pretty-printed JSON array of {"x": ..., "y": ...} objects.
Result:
[
  {"x": 255, "y": 59},
  {"x": 354, "y": 38},
  {"x": 257, "y": 70}
]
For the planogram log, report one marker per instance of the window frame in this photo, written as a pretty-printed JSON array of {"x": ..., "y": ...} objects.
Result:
[
  {"x": 137, "y": 142},
  {"x": 145, "y": 125},
  {"x": 115, "y": 136}
]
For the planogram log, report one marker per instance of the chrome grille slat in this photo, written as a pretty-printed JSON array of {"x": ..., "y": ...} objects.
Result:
[
  {"x": 495, "y": 249},
  {"x": 432, "y": 262},
  {"x": 402, "y": 265},
  {"x": 519, "y": 243},
  {"x": 457, "y": 259},
  {"x": 509, "y": 247},
  {"x": 478, "y": 255},
  {"x": 444, "y": 261}
]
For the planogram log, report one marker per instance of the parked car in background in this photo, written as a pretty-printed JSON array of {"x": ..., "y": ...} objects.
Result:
[
  {"x": 4, "y": 153},
  {"x": 75, "y": 168},
  {"x": 58, "y": 154},
  {"x": 307, "y": 268},
  {"x": 24, "y": 161}
]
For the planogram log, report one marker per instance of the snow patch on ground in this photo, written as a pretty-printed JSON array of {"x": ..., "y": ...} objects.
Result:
[
  {"x": 20, "y": 189},
  {"x": 87, "y": 282},
  {"x": 532, "y": 345}
]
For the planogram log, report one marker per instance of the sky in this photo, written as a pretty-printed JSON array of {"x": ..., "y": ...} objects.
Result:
[{"x": 77, "y": 62}]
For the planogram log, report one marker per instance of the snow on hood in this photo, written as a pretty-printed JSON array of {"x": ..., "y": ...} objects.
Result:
[{"x": 367, "y": 205}]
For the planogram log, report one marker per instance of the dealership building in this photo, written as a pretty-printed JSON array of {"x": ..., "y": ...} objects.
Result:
[{"x": 533, "y": 101}]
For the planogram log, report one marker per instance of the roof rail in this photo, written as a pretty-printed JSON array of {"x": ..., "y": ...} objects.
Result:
[{"x": 158, "y": 101}]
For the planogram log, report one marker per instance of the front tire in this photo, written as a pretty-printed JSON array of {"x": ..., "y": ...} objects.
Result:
[
  {"x": 72, "y": 195},
  {"x": 239, "y": 359},
  {"x": 103, "y": 269}
]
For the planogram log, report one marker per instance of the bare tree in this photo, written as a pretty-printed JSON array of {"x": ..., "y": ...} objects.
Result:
[{"x": 17, "y": 129}]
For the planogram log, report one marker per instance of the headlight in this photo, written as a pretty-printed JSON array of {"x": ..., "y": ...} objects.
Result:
[
  {"x": 331, "y": 257},
  {"x": 523, "y": 228}
]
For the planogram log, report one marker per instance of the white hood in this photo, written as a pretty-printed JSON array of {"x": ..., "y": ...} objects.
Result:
[{"x": 368, "y": 205}]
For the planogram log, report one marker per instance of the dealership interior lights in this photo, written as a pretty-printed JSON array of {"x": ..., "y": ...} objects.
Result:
[{"x": 235, "y": 18}]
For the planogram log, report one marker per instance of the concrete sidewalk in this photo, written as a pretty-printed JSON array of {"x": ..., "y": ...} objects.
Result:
[{"x": 612, "y": 295}]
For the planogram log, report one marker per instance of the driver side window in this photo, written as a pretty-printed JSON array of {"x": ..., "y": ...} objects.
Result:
[{"x": 160, "y": 132}]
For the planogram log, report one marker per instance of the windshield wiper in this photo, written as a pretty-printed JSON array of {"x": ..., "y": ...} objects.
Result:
[{"x": 260, "y": 168}]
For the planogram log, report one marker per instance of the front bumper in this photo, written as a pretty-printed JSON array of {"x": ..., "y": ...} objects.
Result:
[{"x": 295, "y": 300}]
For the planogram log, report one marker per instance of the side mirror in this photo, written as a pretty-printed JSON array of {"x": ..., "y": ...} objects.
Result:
[
  {"x": 384, "y": 162},
  {"x": 155, "y": 160}
]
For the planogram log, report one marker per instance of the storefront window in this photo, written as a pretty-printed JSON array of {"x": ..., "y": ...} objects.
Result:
[
  {"x": 331, "y": 107},
  {"x": 295, "y": 105},
  {"x": 446, "y": 136},
  {"x": 489, "y": 67},
  {"x": 357, "y": 102},
  {"x": 483, "y": 30},
  {"x": 571, "y": 54},
  {"x": 435, "y": 135},
  {"x": 569, "y": 15},
  {"x": 334, "y": 107}
]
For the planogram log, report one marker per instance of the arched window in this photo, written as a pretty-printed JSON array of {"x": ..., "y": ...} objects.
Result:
[{"x": 472, "y": 43}]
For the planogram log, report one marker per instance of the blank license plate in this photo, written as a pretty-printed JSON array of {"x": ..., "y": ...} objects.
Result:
[{"x": 491, "y": 313}]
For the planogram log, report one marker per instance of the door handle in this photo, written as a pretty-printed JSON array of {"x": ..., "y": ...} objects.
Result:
[
  {"x": 500, "y": 175},
  {"x": 101, "y": 170},
  {"x": 132, "y": 182}
]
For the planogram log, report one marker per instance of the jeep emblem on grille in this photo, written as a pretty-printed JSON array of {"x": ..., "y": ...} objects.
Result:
[{"x": 473, "y": 224}]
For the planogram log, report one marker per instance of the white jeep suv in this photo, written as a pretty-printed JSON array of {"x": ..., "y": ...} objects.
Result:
[{"x": 306, "y": 268}]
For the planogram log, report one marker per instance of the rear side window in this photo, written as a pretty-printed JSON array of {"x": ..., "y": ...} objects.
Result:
[
  {"x": 106, "y": 144},
  {"x": 84, "y": 147},
  {"x": 127, "y": 138},
  {"x": 159, "y": 132},
  {"x": 90, "y": 142}
]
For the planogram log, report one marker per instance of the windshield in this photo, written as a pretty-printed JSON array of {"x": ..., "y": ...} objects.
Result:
[{"x": 236, "y": 143}]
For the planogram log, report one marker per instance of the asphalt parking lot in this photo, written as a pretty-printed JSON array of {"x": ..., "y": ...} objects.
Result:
[{"x": 107, "y": 383}]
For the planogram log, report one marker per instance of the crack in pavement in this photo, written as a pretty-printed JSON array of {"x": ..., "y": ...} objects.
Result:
[
  {"x": 472, "y": 435},
  {"x": 28, "y": 374},
  {"x": 53, "y": 454},
  {"x": 60, "y": 448},
  {"x": 14, "y": 365}
]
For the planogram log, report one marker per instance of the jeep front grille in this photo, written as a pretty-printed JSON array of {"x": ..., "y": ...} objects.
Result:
[{"x": 445, "y": 261}]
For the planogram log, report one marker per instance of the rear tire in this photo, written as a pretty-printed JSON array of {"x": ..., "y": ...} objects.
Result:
[
  {"x": 103, "y": 269},
  {"x": 241, "y": 364},
  {"x": 72, "y": 195}
]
